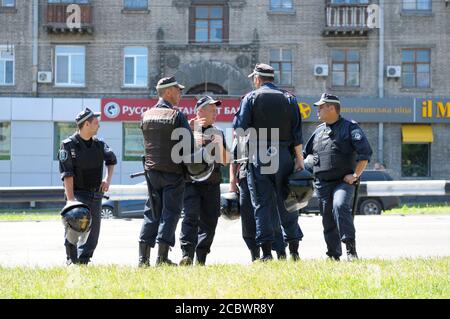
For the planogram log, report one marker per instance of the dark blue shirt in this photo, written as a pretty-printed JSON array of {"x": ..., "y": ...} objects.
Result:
[
  {"x": 243, "y": 117},
  {"x": 348, "y": 132}
]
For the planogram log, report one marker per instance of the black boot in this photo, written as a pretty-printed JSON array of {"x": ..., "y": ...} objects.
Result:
[
  {"x": 144, "y": 255},
  {"x": 351, "y": 250},
  {"x": 281, "y": 255},
  {"x": 267, "y": 252},
  {"x": 188, "y": 258},
  {"x": 255, "y": 253},
  {"x": 71, "y": 254},
  {"x": 293, "y": 250},
  {"x": 163, "y": 253},
  {"x": 200, "y": 258}
]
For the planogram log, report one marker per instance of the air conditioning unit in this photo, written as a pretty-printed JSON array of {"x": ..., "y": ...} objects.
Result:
[
  {"x": 321, "y": 70},
  {"x": 394, "y": 71},
  {"x": 44, "y": 77}
]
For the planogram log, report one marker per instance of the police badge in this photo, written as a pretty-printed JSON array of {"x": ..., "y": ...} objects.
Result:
[{"x": 62, "y": 155}]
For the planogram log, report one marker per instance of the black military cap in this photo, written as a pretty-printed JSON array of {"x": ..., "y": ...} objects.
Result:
[
  {"x": 205, "y": 101},
  {"x": 85, "y": 115},
  {"x": 263, "y": 70},
  {"x": 327, "y": 98},
  {"x": 168, "y": 82}
]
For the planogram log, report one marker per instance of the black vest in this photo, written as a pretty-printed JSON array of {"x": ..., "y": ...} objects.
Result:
[
  {"x": 158, "y": 124},
  {"x": 333, "y": 155},
  {"x": 271, "y": 109},
  {"x": 88, "y": 163}
]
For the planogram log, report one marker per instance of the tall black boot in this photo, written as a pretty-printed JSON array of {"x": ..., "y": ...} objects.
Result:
[
  {"x": 281, "y": 255},
  {"x": 200, "y": 258},
  {"x": 144, "y": 255},
  {"x": 351, "y": 250},
  {"x": 71, "y": 254},
  {"x": 267, "y": 252},
  {"x": 163, "y": 253},
  {"x": 293, "y": 250},
  {"x": 255, "y": 253}
]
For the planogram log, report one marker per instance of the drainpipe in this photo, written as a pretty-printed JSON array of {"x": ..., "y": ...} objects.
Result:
[
  {"x": 35, "y": 47},
  {"x": 380, "y": 154}
]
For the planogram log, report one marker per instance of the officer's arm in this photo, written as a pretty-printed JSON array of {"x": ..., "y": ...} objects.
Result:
[
  {"x": 67, "y": 170},
  {"x": 242, "y": 118},
  {"x": 296, "y": 126},
  {"x": 360, "y": 143},
  {"x": 68, "y": 187}
]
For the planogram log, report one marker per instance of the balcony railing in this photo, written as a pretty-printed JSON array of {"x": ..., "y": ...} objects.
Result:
[
  {"x": 346, "y": 19},
  {"x": 56, "y": 19}
]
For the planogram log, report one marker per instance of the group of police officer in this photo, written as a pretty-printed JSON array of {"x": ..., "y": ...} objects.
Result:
[{"x": 184, "y": 174}]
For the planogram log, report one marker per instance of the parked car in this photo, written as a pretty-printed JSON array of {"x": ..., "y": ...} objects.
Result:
[{"x": 365, "y": 205}]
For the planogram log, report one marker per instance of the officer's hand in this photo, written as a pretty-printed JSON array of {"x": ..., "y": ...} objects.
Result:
[
  {"x": 350, "y": 179},
  {"x": 233, "y": 186},
  {"x": 299, "y": 165},
  {"x": 197, "y": 123},
  {"x": 105, "y": 186}
]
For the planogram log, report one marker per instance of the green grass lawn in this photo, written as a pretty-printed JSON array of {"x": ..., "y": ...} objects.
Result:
[
  {"x": 28, "y": 215},
  {"x": 402, "y": 278},
  {"x": 419, "y": 210}
]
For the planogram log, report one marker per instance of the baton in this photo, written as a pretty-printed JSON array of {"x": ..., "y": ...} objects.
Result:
[{"x": 355, "y": 197}]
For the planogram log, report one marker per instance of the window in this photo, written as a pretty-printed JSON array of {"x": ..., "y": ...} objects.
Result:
[
  {"x": 7, "y": 3},
  {"x": 133, "y": 142},
  {"x": 5, "y": 141},
  {"x": 69, "y": 1},
  {"x": 417, "y": 5},
  {"x": 135, "y": 4},
  {"x": 416, "y": 160},
  {"x": 70, "y": 65},
  {"x": 135, "y": 66},
  {"x": 208, "y": 24},
  {"x": 281, "y": 5},
  {"x": 345, "y": 67},
  {"x": 416, "y": 68},
  {"x": 350, "y": 1},
  {"x": 6, "y": 65},
  {"x": 281, "y": 61},
  {"x": 62, "y": 130}
]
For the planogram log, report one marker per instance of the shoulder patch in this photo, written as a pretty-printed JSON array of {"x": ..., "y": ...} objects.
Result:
[
  {"x": 67, "y": 141},
  {"x": 63, "y": 155},
  {"x": 357, "y": 135}
]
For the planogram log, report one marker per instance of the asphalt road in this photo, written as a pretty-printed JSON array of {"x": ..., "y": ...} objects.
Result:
[{"x": 41, "y": 243}]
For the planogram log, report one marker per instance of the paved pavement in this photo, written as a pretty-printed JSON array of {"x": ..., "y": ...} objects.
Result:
[{"x": 41, "y": 243}]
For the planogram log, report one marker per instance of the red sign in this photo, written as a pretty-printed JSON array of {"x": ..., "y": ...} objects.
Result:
[{"x": 131, "y": 110}]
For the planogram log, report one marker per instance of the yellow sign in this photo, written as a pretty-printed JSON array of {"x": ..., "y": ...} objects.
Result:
[
  {"x": 440, "y": 111},
  {"x": 305, "y": 110}
]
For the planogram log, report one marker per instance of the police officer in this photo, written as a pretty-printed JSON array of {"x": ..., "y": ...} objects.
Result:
[
  {"x": 165, "y": 177},
  {"x": 239, "y": 184},
  {"x": 81, "y": 160},
  {"x": 202, "y": 198},
  {"x": 340, "y": 154},
  {"x": 266, "y": 111}
]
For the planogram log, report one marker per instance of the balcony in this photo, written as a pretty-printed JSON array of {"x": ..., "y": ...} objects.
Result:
[
  {"x": 56, "y": 15},
  {"x": 346, "y": 20}
]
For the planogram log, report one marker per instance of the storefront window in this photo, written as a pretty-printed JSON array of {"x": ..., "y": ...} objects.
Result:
[
  {"x": 133, "y": 142},
  {"x": 416, "y": 160},
  {"x": 5, "y": 141},
  {"x": 62, "y": 131}
]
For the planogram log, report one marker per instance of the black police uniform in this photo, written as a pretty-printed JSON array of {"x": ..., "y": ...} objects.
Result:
[
  {"x": 271, "y": 108},
  {"x": 201, "y": 210},
  {"x": 336, "y": 148},
  {"x": 164, "y": 178},
  {"x": 83, "y": 160}
]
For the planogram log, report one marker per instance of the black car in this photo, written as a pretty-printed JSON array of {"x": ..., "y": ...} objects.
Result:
[{"x": 366, "y": 205}]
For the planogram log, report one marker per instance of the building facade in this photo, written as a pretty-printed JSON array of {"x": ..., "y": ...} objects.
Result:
[{"x": 389, "y": 61}]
